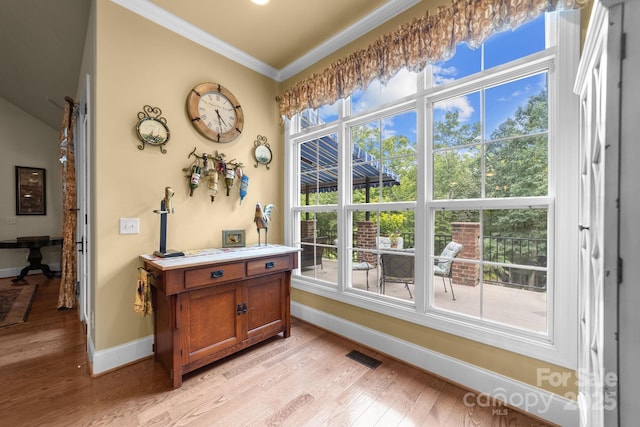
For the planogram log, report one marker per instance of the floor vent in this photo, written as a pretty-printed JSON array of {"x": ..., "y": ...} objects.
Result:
[{"x": 367, "y": 361}]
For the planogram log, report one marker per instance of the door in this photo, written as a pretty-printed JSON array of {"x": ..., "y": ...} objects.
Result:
[
  {"x": 597, "y": 85},
  {"x": 213, "y": 318},
  {"x": 82, "y": 133},
  {"x": 266, "y": 301}
]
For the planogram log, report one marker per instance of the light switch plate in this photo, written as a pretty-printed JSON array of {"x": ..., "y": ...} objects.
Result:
[{"x": 129, "y": 225}]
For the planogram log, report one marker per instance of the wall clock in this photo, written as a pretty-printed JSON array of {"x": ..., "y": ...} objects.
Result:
[
  {"x": 152, "y": 128},
  {"x": 215, "y": 112}
]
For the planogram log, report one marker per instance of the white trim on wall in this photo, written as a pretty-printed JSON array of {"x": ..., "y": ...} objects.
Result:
[
  {"x": 103, "y": 361},
  {"x": 538, "y": 402},
  {"x": 154, "y": 13}
]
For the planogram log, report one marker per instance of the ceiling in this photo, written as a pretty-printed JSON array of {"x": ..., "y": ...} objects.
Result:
[{"x": 41, "y": 41}]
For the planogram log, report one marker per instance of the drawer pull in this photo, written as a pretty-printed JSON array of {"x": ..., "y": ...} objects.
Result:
[
  {"x": 244, "y": 307},
  {"x": 239, "y": 309},
  {"x": 216, "y": 274},
  {"x": 269, "y": 264}
]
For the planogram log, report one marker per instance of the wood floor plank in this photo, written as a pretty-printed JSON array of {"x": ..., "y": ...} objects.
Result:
[{"x": 304, "y": 380}]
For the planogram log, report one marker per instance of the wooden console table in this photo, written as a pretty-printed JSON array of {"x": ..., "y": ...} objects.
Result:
[
  {"x": 213, "y": 303},
  {"x": 35, "y": 255}
]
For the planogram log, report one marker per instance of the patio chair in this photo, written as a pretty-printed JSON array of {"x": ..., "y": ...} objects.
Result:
[
  {"x": 443, "y": 267},
  {"x": 397, "y": 268},
  {"x": 363, "y": 266}
]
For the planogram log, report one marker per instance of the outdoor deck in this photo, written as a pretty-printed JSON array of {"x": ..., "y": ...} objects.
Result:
[{"x": 524, "y": 308}]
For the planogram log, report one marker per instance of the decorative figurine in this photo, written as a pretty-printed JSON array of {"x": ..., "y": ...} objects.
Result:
[
  {"x": 166, "y": 207},
  {"x": 262, "y": 218}
]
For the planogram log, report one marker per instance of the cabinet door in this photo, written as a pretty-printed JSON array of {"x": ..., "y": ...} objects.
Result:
[
  {"x": 267, "y": 299},
  {"x": 212, "y": 322}
]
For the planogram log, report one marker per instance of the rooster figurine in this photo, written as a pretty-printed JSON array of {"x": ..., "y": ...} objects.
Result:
[{"x": 262, "y": 218}]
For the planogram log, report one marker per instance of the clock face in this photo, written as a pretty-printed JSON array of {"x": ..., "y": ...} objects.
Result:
[{"x": 215, "y": 112}]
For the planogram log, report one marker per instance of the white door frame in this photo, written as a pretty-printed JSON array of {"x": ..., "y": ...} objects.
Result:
[
  {"x": 598, "y": 85},
  {"x": 83, "y": 165}
]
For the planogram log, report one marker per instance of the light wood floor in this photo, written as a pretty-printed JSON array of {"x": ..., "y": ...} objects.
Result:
[{"x": 304, "y": 380}]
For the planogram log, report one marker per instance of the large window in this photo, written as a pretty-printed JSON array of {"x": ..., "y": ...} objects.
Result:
[{"x": 437, "y": 193}]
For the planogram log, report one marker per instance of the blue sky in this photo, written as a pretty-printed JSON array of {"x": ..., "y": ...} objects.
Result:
[{"x": 500, "y": 101}]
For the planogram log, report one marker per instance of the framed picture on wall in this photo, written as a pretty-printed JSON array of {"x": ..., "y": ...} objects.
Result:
[
  {"x": 233, "y": 239},
  {"x": 31, "y": 191}
]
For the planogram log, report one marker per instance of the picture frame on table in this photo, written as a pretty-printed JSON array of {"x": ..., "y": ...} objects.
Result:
[
  {"x": 233, "y": 239},
  {"x": 31, "y": 191}
]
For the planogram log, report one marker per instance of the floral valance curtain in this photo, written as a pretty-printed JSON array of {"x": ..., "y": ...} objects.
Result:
[{"x": 427, "y": 39}]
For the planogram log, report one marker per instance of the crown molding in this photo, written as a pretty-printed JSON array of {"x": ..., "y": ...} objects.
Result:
[
  {"x": 160, "y": 16},
  {"x": 156, "y": 14},
  {"x": 377, "y": 17}
]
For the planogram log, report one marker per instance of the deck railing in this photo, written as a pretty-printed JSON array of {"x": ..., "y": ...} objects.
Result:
[{"x": 505, "y": 250}]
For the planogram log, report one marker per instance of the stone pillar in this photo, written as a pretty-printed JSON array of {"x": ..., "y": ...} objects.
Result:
[
  {"x": 307, "y": 228},
  {"x": 366, "y": 239},
  {"x": 468, "y": 235}
]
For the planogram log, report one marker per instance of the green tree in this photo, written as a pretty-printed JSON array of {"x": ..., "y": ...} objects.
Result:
[
  {"x": 517, "y": 165},
  {"x": 456, "y": 167}
]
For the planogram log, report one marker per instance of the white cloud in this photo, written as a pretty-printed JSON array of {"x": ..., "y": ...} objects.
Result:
[
  {"x": 461, "y": 103},
  {"x": 402, "y": 84},
  {"x": 442, "y": 75},
  {"x": 387, "y": 128},
  {"x": 328, "y": 111}
]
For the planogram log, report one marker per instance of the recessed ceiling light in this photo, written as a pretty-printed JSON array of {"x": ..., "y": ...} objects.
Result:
[{"x": 260, "y": 2}]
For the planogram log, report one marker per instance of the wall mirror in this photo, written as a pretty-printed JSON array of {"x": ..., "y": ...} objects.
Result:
[{"x": 31, "y": 194}]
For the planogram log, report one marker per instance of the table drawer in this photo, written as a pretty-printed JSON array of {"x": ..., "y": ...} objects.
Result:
[
  {"x": 213, "y": 274},
  {"x": 269, "y": 265}
]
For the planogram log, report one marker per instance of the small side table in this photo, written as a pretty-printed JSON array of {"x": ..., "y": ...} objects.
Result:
[{"x": 34, "y": 244}]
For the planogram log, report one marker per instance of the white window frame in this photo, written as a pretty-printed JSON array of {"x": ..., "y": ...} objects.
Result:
[{"x": 559, "y": 346}]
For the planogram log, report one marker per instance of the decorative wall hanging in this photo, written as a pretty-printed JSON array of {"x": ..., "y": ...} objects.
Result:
[
  {"x": 31, "y": 191},
  {"x": 262, "y": 151},
  {"x": 215, "y": 112},
  {"x": 152, "y": 128},
  {"x": 209, "y": 168}
]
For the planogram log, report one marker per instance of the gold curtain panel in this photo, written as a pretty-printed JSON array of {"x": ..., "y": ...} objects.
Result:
[
  {"x": 67, "y": 293},
  {"x": 425, "y": 40}
]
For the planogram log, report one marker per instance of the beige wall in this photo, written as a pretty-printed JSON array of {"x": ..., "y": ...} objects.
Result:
[
  {"x": 503, "y": 362},
  {"x": 26, "y": 141},
  {"x": 139, "y": 63}
]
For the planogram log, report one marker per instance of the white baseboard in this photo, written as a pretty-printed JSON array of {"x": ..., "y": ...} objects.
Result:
[
  {"x": 15, "y": 271},
  {"x": 538, "y": 402},
  {"x": 111, "y": 358}
]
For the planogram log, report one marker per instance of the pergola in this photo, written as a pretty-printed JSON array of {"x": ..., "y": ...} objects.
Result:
[{"x": 319, "y": 168}]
